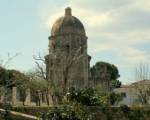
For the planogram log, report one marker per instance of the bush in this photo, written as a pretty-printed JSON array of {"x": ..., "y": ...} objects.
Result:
[
  {"x": 89, "y": 104},
  {"x": 68, "y": 112},
  {"x": 87, "y": 96},
  {"x": 124, "y": 108}
]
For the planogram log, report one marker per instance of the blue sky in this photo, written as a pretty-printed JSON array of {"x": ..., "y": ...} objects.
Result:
[{"x": 118, "y": 30}]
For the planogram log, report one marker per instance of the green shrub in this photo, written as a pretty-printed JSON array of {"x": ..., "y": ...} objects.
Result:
[
  {"x": 89, "y": 104},
  {"x": 124, "y": 108},
  {"x": 68, "y": 112}
]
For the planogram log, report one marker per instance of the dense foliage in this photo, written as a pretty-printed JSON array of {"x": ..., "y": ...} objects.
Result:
[
  {"x": 10, "y": 78},
  {"x": 77, "y": 103},
  {"x": 87, "y": 97},
  {"x": 5, "y": 78},
  {"x": 68, "y": 112},
  {"x": 106, "y": 71},
  {"x": 124, "y": 113},
  {"x": 79, "y": 112},
  {"x": 92, "y": 97}
]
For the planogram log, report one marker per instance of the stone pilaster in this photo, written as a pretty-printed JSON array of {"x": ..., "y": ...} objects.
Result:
[
  {"x": 28, "y": 97},
  {"x": 14, "y": 95}
]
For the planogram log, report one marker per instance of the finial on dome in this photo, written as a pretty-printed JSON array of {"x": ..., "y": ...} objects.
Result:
[{"x": 68, "y": 11}]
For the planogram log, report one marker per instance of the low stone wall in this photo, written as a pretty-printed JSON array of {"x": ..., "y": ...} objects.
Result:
[
  {"x": 36, "y": 111},
  {"x": 13, "y": 115}
]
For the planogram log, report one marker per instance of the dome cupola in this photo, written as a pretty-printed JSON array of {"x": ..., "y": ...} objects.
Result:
[{"x": 67, "y": 24}]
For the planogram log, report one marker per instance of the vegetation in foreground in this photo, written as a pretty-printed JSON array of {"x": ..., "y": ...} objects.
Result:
[
  {"x": 79, "y": 104},
  {"x": 89, "y": 104}
]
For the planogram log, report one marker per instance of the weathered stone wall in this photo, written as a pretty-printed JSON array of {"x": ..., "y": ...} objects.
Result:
[{"x": 69, "y": 50}]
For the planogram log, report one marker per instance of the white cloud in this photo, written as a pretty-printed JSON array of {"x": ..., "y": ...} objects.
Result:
[
  {"x": 99, "y": 19},
  {"x": 142, "y": 4},
  {"x": 112, "y": 26}
]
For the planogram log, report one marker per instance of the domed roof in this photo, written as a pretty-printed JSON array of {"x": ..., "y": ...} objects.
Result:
[{"x": 67, "y": 24}]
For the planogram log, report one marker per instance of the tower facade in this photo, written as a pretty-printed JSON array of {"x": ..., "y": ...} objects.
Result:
[{"x": 67, "y": 62}]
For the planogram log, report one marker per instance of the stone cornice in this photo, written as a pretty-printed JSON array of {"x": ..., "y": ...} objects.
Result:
[{"x": 66, "y": 34}]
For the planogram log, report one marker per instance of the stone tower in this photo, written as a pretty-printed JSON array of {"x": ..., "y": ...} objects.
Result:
[{"x": 67, "y": 62}]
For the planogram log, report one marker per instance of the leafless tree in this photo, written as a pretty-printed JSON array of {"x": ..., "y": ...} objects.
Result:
[
  {"x": 5, "y": 63},
  {"x": 142, "y": 86},
  {"x": 40, "y": 73},
  {"x": 68, "y": 62},
  {"x": 142, "y": 72},
  {"x": 40, "y": 69}
]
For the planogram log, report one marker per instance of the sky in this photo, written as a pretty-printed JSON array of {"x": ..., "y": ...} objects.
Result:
[{"x": 118, "y": 31}]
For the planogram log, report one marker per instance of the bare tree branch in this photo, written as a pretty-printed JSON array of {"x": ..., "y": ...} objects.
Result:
[
  {"x": 39, "y": 58},
  {"x": 40, "y": 66},
  {"x": 142, "y": 87},
  {"x": 68, "y": 63},
  {"x": 10, "y": 58},
  {"x": 41, "y": 72}
]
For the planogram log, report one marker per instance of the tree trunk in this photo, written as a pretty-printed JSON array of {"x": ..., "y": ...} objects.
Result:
[{"x": 47, "y": 99}]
